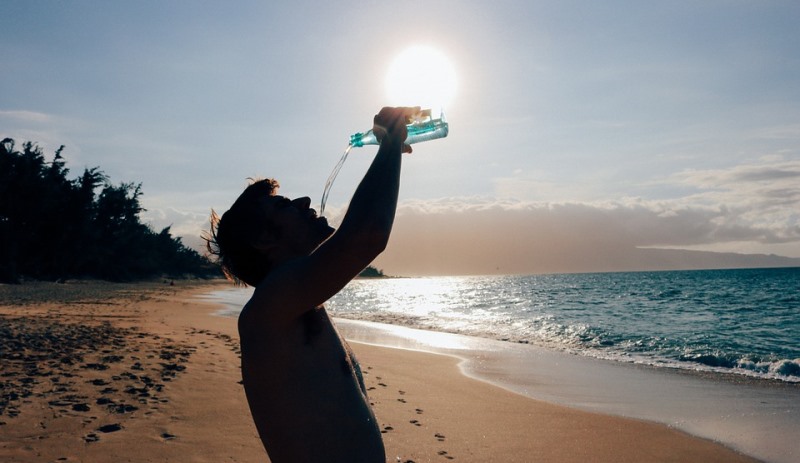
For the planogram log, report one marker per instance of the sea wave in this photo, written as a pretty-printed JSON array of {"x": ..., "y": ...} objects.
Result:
[
  {"x": 741, "y": 322},
  {"x": 580, "y": 340}
]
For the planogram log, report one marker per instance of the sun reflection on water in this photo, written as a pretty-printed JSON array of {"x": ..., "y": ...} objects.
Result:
[
  {"x": 413, "y": 296},
  {"x": 451, "y": 304},
  {"x": 403, "y": 337}
]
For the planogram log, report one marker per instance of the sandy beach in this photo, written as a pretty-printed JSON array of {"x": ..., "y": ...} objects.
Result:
[{"x": 102, "y": 372}]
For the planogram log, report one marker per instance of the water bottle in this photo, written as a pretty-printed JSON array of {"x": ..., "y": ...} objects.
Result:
[{"x": 423, "y": 128}]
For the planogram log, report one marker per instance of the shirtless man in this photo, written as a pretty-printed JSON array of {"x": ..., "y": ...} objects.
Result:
[{"x": 302, "y": 382}]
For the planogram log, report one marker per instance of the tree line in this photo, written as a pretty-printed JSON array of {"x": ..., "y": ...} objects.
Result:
[{"x": 52, "y": 227}]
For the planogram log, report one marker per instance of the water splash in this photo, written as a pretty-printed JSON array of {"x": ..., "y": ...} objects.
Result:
[{"x": 331, "y": 179}]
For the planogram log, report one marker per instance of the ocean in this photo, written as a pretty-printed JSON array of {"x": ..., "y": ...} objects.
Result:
[
  {"x": 745, "y": 322},
  {"x": 715, "y": 353}
]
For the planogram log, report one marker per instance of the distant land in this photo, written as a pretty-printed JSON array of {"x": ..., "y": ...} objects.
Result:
[
  {"x": 679, "y": 259},
  {"x": 438, "y": 260},
  {"x": 654, "y": 259},
  {"x": 598, "y": 259}
]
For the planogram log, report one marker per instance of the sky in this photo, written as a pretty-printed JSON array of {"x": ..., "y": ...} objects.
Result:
[{"x": 580, "y": 132}]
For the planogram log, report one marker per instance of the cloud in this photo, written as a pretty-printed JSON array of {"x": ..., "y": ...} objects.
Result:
[
  {"x": 48, "y": 131},
  {"x": 25, "y": 116},
  {"x": 765, "y": 196},
  {"x": 735, "y": 178},
  {"x": 779, "y": 132},
  {"x": 187, "y": 225},
  {"x": 753, "y": 203},
  {"x": 752, "y": 207},
  {"x": 490, "y": 237}
]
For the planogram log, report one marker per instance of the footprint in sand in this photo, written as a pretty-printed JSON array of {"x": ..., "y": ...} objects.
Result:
[
  {"x": 110, "y": 428},
  {"x": 80, "y": 407}
]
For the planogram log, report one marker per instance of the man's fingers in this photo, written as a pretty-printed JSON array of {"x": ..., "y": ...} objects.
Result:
[
  {"x": 389, "y": 115},
  {"x": 392, "y": 121}
]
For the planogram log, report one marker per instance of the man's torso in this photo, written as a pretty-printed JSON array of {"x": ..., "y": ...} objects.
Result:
[{"x": 303, "y": 379}]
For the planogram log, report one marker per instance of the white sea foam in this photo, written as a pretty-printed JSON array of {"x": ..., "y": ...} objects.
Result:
[
  {"x": 759, "y": 418},
  {"x": 717, "y": 322}
]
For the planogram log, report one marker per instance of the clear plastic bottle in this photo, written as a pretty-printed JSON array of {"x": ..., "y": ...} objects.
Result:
[{"x": 423, "y": 128}]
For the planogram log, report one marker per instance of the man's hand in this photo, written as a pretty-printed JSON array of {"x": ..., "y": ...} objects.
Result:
[{"x": 390, "y": 125}]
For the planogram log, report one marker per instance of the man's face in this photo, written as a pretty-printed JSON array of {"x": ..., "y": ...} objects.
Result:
[{"x": 298, "y": 226}]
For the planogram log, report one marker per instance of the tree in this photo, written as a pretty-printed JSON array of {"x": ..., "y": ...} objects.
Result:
[
  {"x": 52, "y": 227},
  {"x": 371, "y": 272}
]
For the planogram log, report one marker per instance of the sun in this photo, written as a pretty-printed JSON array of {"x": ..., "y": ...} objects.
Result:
[{"x": 421, "y": 76}]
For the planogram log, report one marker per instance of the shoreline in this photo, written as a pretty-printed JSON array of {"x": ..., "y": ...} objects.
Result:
[
  {"x": 233, "y": 299},
  {"x": 173, "y": 393},
  {"x": 756, "y": 418}
]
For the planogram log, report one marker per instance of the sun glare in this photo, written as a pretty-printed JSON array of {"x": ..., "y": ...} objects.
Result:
[{"x": 421, "y": 76}]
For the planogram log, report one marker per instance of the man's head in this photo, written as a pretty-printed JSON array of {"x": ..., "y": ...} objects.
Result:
[{"x": 262, "y": 229}]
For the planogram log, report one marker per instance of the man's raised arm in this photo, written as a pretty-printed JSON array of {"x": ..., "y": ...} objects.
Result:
[
  {"x": 365, "y": 229},
  {"x": 368, "y": 222}
]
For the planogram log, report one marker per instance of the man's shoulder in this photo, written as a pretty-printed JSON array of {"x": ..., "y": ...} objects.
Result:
[
  {"x": 294, "y": 287},
  {"x": 260, "y": 305},
  {"x": 266, "y": 308}
]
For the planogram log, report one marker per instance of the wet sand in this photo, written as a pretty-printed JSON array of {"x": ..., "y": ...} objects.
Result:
[
  {"x": 146, "y": 373},
  {"x": 756, "y": 417}
]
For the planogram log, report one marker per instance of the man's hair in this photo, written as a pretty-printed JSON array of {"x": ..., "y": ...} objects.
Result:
[{"x": 231, "y": 237}]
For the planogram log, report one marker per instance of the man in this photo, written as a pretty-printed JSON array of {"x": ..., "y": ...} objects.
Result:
[{"x": 302, "y": 382}]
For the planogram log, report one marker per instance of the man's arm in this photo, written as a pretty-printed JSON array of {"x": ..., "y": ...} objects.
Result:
[
  {"x": 368, "y": 222},
  {"x": 306, "y": 282}
]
